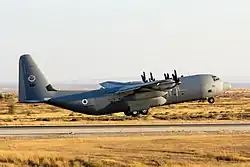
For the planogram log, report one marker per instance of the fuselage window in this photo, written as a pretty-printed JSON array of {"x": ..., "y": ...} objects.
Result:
[{"x": 215, "y": 78}]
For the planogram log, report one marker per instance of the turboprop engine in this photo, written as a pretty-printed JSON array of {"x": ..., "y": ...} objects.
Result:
[{"x": 146, "y": 95}]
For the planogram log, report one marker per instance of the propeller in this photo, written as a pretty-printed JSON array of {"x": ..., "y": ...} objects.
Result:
[
  {"x": 177, "y": 81},
  {"x": 151, "y": 77},
  {"x": 175, "y": 77},
  {"x": 166, "y": 76},
  {"x": 143, "y": 77}
]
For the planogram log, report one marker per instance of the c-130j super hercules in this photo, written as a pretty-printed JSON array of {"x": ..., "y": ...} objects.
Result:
[
  {"x": 132, "y": 99},
  {"x": 193, "y": 87}
]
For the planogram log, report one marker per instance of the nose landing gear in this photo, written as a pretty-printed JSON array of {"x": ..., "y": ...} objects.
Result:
[{"x": 211, "y": 100}]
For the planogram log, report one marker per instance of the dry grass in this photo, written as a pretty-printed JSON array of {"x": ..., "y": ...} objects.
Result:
[
  {"x": 232, "y": 106},
  {"x": 136, "y": 150}
]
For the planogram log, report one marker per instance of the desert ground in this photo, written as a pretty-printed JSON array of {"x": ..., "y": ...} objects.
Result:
[
  {"x": 177, "y": 149},
  {"x": 231, "y": 106}
]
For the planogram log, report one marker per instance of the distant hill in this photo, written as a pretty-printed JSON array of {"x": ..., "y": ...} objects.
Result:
[{"x": 240, "y": 85}]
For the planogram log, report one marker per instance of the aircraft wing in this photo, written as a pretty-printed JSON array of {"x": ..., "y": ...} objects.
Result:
[
  {"x": 159, "y": 85},
  {"x": 112, "y": 84}
]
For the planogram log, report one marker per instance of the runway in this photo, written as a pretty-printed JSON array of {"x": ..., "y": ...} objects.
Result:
[{"x": 107, "y": 129}]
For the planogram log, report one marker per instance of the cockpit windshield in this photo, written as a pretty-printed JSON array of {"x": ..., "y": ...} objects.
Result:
[{"x": 215, "y": 78}]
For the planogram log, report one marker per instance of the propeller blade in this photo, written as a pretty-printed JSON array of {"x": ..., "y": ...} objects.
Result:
[
  {"x": 165, "y": 76},
  {"x": 144, "y": 77},
  {"x": 151, "y": 77},
  {"x": 175, "y": 77}
]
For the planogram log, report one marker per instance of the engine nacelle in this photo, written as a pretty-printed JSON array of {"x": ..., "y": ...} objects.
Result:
[
  {"x": 146, "y": 103},
  {"x": 146, "y": 95}
]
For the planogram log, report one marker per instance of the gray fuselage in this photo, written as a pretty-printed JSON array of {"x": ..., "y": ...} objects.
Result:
[
  {"x": 197, "y": 87},
  {"x": 104, "y": 101}
]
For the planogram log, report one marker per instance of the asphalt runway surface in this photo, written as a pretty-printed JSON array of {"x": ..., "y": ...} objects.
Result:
[{"x": 104, "y": 129}]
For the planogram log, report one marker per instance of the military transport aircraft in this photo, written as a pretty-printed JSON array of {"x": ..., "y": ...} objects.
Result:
[
  {"x": 130, "y": 99},
  {"x": 192, "y": 88}
]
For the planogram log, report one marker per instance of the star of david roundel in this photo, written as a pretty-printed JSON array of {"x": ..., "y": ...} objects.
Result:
[
  {"x": 32, "y": 78},
  {"x": 85, "y": 101}
]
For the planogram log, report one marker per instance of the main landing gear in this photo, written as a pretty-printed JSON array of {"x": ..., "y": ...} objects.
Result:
[
  {"x": 211, "y": 100},
  {"x": 136, "y": 113}
]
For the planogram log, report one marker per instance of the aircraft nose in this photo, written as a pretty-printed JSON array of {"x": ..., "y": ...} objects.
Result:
[{"x": 227, "y": 86}]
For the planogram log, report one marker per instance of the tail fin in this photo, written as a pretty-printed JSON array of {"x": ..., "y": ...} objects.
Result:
[{"x": 33, "y": 87}]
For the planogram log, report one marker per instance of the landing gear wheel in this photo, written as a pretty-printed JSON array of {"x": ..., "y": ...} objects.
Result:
[
  {"x": 127, "y": 113},
  {"x": 210, "y": 100},
  {"x": 144, "y": 112},
  {"x": 135, "y": 113}
]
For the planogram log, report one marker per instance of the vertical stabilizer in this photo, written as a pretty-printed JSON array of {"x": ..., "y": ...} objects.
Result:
[{"x": 32, "y": 83}]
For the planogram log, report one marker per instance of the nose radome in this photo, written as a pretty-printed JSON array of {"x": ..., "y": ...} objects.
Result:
[{"x": 227, "y": 86}]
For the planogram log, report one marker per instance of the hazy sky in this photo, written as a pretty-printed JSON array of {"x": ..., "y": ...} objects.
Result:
[{"x": 114, "y": 39}]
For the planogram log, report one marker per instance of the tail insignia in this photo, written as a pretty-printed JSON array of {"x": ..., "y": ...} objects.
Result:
[{"x": 32, "y": 78}]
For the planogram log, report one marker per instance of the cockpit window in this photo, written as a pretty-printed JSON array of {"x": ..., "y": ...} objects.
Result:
[{"x": 215, "y": 78}]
